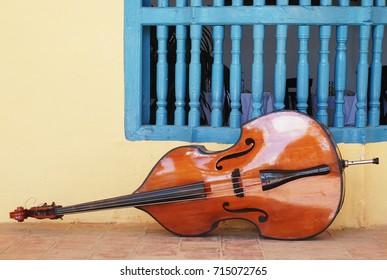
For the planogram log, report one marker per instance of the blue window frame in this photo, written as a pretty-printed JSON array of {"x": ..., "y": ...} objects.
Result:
[{"x": 148, "y": 78}]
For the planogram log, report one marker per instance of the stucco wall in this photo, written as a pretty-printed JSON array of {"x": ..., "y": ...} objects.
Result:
[{"x": 61, "y": 117}]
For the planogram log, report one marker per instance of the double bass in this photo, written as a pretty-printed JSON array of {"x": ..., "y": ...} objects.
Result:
[{"x": 284, "y": 175}]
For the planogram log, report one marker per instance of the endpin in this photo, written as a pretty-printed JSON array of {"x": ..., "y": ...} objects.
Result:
[{"x": 346, "y": 163}]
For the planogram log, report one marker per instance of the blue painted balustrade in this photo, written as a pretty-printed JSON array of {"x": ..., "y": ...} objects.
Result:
[
  {"x": 280, "y": 64},
  {"x": 258, "y": 65},
  {"x": 323, "y": 70},
  {"x": 340, "y": 77},
  {"x": 217, "y": 77},
  {"x": 165, "y": 89},
  {"x": 180, "y": 74}
]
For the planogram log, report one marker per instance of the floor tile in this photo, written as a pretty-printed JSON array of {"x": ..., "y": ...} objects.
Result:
[{"x": 100, "y": 241}]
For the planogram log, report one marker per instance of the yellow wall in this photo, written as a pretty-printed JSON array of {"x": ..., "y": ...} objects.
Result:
[{"x": 61, "y": 117}]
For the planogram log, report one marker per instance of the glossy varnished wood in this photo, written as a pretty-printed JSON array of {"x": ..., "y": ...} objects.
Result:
[
  {"x": 284, "y": 140},
  {"x": 284, "y": 175}
]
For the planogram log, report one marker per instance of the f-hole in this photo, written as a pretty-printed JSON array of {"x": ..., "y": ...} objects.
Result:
[{"x": 249, "y": 142}]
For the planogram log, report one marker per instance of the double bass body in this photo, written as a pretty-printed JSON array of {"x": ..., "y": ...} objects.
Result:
[{"x": 284, "y": 175}]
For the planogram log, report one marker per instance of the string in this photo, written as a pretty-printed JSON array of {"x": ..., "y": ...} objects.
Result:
[
  {"x": 150, "y": 200},
  {"x": 154, "y": 198},
  {"x": 195, "y": 191},
  {"x": 32, "y": 197},
  {"x": 218, "y": 188},
  {"x": 125, "y": 204}
]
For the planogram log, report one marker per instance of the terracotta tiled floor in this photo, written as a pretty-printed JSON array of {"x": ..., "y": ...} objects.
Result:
[{"x": 60, "y": 240}]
